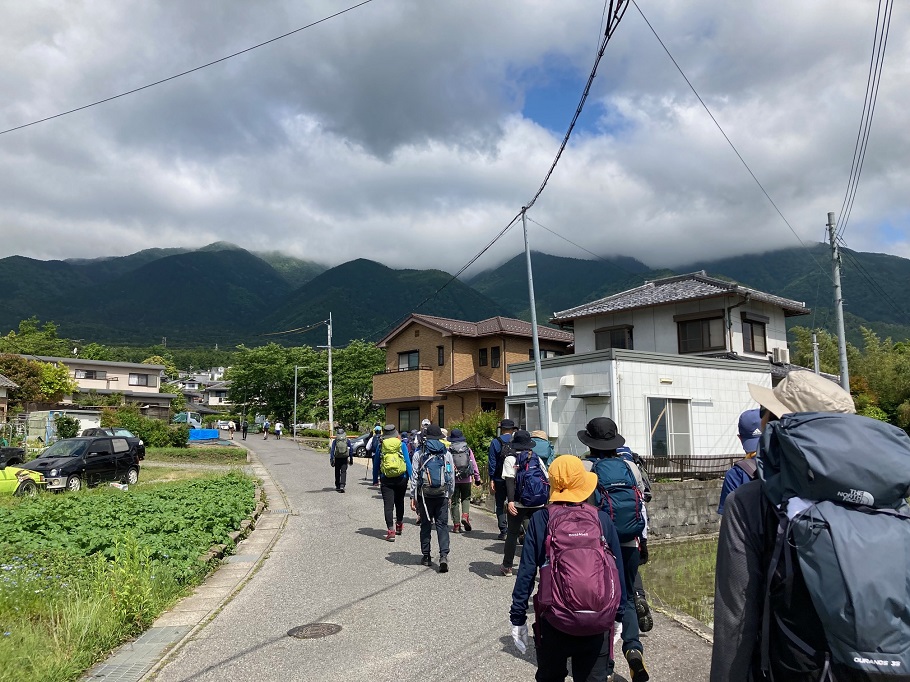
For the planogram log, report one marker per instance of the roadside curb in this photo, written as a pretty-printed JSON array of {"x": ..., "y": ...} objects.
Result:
[{"x": 142, "y": 658}]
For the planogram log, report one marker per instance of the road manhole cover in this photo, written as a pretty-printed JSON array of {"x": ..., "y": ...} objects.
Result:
[{"x": 314, "y": 630}]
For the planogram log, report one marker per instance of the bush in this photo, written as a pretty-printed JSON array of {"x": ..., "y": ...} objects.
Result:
[
  {"x": 874, "y": 412},
  {"x": 67, "y": 427},
  {"x": 312, "y": 433},
  {"x": 154, "y": 432},
  {"x": 479, "y": 430}
]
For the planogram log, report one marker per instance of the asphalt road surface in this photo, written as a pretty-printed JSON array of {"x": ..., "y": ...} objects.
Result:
[{"x": 399, "y": 620}]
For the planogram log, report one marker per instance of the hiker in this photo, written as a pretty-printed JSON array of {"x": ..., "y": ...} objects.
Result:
[
  {"x": 372, "y": 447},
  {"x": 244, "y": 427},
  {"x": 745, "y": 470},
  {"x": 642, "y": 608},
  {"x": 231, "y": 428},
  {"x": 265, "y": 429},
  {"x": 497, "y": 484},
  {"x": 620, "y": 491},
  {"x": 341, "y": 454},
  {"x": 527, "y": 491},
  {"x": 465, "y": 472},
  {"x": 811, "y": 560},
  {"x": 394, "y": 474},
  {"x": 542, "y": 446},
  {"x": 570, "y": 532},
  {"x": 432, "y": 483},
  {"x": 279, "y": 427}
]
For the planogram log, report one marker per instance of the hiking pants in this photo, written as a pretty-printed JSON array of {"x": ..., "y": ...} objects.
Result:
[
  {"x": 500, "y": 488},
  {"x": 461, "y": 501},
  {"x": 341, "y": 472},
  {"x": 556, "y": 647},
  {"x": 437, "y": 508},
  {"x": 393, "y": 490},
  {"x": 630, "y": 633},
  {"x": 375, "y": 468},
  {"x": 515, "y": 524}
]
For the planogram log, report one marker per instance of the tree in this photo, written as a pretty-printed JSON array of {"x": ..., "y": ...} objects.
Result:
[
  {"x": 170, "y": 369},
  {"x": 95, "y": 351},
  {"x": 27, "y": 374},
  {"x": 32, "y": 340},
  {"x": 353, "y": 368},
  {"x": 56, "y": 381}
]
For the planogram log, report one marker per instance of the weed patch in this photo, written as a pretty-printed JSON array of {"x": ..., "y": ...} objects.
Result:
[{"x": 231, "y": 456}]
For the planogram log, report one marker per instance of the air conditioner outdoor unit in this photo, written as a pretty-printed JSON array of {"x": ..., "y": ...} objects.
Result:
[{"x": 781, "y": 356}]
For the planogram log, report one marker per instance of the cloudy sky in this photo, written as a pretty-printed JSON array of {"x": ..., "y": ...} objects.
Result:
[{"x": 411, "y": 131}]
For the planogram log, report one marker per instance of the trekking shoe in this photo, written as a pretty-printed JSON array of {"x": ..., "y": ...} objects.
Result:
[
  {"x": 466, "y": 522},
  {"x": 645, "y": 619},
  {"x": 637, "y": 666},
  {"x": 426, "y": 561},
  {"x": 456, "y": 528},
  {"x": 390, "y": 535},
  {"x": 443, "y": 566},
  {"x": 505, "y": 570},
  {"x": 341, "y": 489},
  {"x": 501, "y": 536},
  {"x": 399, "y": 527}
]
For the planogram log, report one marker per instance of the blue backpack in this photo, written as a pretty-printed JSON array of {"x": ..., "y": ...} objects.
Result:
[
  {"x": 532, "y": 488},
  {"x": 433, "y": 475},
  {"x": 619, "y": 496}
]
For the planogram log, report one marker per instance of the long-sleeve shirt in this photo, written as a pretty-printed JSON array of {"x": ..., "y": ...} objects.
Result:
[
  {"x": 473, "y": 475},
  {"x": 428, "y": 447},
  {"x": 533, "y": 556},
  {"x": 734, "y": 478},
  {"x": 493, "y": 455},
  {"x": 332, "y": 451}
]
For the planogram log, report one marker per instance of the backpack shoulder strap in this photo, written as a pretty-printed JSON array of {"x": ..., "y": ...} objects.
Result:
[{"x": 749, "y": 466}]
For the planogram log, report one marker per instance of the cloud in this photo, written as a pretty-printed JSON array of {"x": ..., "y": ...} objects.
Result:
[{"x": 399, "y": 131}]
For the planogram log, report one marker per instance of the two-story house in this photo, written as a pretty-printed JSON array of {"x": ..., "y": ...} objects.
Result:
[
  {"x": 5, "y": 384},
  {"x": 442, "y": 369},
  {"x": 668, "y": 361}
]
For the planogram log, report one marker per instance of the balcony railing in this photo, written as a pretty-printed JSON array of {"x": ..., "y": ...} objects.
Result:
[{"x": 688, "y": 466}]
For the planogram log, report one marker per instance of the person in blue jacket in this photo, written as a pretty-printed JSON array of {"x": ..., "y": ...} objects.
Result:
[
  {"x": 495, "y": 460},
  {"x": 749, "y": 431}
]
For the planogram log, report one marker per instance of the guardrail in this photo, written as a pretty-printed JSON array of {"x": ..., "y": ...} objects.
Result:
[{"x": 689, "y": 466}]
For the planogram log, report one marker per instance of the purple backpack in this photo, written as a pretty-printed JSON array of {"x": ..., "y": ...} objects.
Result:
[{"x": 579, "y": 590}]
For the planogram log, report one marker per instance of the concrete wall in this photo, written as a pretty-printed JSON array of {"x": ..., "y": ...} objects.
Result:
[{"x": 684, "y": 508}]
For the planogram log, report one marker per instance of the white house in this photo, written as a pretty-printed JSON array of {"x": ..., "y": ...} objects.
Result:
[{"x": 668, "y": 361}]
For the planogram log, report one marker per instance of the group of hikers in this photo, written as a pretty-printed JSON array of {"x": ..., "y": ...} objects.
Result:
[{"x": 811, "y": 567}]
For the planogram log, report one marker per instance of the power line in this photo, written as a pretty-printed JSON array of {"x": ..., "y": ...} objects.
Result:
[
  {"x": 729, "y": 142},
  {"x": 876, "y": 287},
  {"x": 298, "y": 330},
  {"x": 876, "y": 62},
  {"x": 189, "y": 71}
]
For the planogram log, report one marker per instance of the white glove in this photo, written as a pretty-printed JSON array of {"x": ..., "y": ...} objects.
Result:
[
  {"x": 617, "y": 635},
  {"x": 520, "y": 637}
]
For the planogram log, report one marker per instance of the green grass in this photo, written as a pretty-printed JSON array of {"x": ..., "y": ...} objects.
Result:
[
  {"x": 231, "y": 456},
  {"x": 154, "y": 473},
  {"x": 680, "y": 575}
]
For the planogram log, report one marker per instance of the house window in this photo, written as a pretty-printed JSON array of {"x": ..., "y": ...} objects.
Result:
[
  {"x": 613, "y": 337},
  {"x": 671, "y": 433},
  {"x": 482, "y": 357},
  {"x": 754, "y": 338},
  {"x": 494, "y": 356},
  {"x": 488, "y": 406},
  {"x": 442, "y": 416},
  {"x": 440, "y": 356},
  {"x": 408, "y": 360},
  {"x": 544, "y": 354},
  {"x": 141, "y": 380},
  {"x": 90, "y": 374},
  {"x": 408, "y": 420},
  {"x": 701, "y": 334}
]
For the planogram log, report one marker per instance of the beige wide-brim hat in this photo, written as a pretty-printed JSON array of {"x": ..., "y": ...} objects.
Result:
[
  {"x": 803, "y": 391},
  {"x": 569, "y": 482}
]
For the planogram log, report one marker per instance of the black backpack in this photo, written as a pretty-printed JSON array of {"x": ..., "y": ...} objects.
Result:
[{"x": 837, "y": 598}]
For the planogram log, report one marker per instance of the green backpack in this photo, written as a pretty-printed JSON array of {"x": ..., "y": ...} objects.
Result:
[{"x": 391, "y": 460}]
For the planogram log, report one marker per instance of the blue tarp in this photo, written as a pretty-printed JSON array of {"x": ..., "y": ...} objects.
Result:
[{"x": 203, "y": 434}]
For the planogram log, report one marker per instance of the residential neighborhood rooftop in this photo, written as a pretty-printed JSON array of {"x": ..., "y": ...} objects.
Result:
[
  {"x": 476, "y": 382},
  {"x": 490, "y": 327},
  {"x": 91, "y": 363},
  {"x": 690, "y": 287},
  {"x": 7, "y": 383}
]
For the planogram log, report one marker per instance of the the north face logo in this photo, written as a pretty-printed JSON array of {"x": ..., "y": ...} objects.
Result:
[{"x": 857, "y": 497}]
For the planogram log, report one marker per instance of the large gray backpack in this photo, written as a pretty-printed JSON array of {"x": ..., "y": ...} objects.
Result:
[{"x": 837, "y": 603}]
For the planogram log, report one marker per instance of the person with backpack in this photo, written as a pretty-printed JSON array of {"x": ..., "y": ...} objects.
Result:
[
  {"x": 746, "y": 469},
  {"x": 575, "y": 608},
  {"x": 265, "y": 429},
  {"x": 394, "y": 474},
  {"x": 527, "y": 490},
  {"x": 466, "y": 472},
  {"x": 340, "y": 456},
  {"x": 432, "y": 485},
  {"x": 642, "y": 608},
  {"x": 495, "y": 458},
  {"x": 542, "y": 446},
  {"x": 372, "y": 446},
  {"x": 279, "y": 427},
  {"x": 812, "y": 556},
  {"x": 620, "y": 493}
]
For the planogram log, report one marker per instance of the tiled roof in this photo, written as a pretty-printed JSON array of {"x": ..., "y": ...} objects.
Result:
[
  {"x": 474, "y": 383},
  {"x": 691, "y": 287},
  {"x": 7, "y": 383},
  {"x": 489, "y": 327}
]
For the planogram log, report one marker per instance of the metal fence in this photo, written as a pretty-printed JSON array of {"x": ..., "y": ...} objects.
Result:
[{"x": 689, "y": 466}]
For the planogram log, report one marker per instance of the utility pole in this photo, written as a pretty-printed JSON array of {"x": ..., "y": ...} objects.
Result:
[
  {"x": 331, "y": 402},
  {"x": 538, "y": 373},
  {"x": 839, "y": 307},
  {"x": 294, "y": 425},
  {"x": 815, "y": 352}
]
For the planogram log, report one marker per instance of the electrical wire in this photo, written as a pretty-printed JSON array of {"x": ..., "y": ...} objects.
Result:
[
  {"x": 189, "y": 71},
  {"x": 729, "y": 142},
  {"x": 876, "y": 62},
  {"x": 876, "y": 287},
  {"x": 298, "y": 330}
]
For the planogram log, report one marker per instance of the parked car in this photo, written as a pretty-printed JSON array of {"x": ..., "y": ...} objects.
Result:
[
  {"x": 301, "y": 427},
  {"x": 12, "y": 456},
  {"x": 359, "y": 445},
  {"x": 19, "y": 482},
  {"x": 195, "y": 419},
  {"x": 73, "y": 463},
  {"x": 118, "y": 431},
  {"x": 223, "y": 424}
]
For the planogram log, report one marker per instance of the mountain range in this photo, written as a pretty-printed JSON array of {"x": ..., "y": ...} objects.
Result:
[{"x": 223, "y": 294}]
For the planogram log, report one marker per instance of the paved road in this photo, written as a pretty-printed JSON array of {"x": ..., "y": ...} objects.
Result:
[{"x": 398, "y": 619}]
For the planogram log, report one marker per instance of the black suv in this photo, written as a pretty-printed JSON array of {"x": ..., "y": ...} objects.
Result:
[
  {"x": 72, "y": 463},
  {"x": 12, "y": 456},
  {"x": 118, "y": 431}
]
